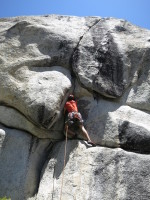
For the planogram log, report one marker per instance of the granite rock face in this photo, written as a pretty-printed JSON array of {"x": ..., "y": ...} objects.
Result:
[
  {"x": 95, "y": 173},
  {"x": 105, "y": 63},
  {"x": 98, "y": 62},
  {"x": 22, "y": 157}
]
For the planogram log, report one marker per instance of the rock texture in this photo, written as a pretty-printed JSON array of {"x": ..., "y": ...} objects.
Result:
[
  {"x": 95, "y": 173},
  {"x": 98, "y": 62},
  {"x": 22, "y": 157},
  {"x": 105, "y": 62}
]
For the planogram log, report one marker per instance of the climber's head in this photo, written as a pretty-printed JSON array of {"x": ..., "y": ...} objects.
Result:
[{"x": 71, "y": 97}]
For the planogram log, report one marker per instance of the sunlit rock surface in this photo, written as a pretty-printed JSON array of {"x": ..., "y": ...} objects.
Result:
[{"x": 105, "y": 62}]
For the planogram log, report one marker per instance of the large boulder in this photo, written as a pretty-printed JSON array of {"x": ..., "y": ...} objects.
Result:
[
  {"x": 35, "y": 52},
  {"x": 110, "y": 56}
]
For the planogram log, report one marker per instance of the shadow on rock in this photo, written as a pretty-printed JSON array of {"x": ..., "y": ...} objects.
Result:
[
  {"x": 134, "y": 138},
  {"x": 57, "y": 155}
]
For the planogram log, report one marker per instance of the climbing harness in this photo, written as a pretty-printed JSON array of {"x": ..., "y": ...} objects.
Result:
[{"x": 64, "y": 164}]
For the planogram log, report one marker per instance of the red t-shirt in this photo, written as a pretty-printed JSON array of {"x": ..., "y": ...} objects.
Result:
[{"x": 71, "y": 106}]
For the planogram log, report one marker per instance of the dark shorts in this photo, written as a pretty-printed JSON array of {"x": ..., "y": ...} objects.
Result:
[{"x": 74, "y": 118}]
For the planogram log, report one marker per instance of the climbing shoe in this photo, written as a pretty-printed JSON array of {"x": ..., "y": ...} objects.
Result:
[{"x": 90, "y": 142}]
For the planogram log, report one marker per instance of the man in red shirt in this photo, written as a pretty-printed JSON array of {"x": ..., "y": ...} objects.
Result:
[{"x": 74, "y": 118}]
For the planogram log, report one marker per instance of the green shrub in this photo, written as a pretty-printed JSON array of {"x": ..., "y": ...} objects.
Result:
[{"x": 4, "y": 198}]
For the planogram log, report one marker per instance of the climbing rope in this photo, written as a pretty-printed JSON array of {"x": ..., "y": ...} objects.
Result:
[{"x": 64, "y": 164}]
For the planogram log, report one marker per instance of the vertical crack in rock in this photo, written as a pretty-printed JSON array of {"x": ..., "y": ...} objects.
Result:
[
  {"x": 74, "y": 56},
  {"x": 98, "y": 63}
]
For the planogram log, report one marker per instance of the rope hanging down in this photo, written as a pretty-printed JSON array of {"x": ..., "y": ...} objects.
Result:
[{"x": 64, "y": 165}]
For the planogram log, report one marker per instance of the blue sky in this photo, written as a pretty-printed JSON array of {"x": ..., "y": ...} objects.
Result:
[{"x": 135, "y": 11}]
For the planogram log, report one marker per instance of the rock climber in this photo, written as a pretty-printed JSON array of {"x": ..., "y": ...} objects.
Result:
[{"x": 74, "y": 118}]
